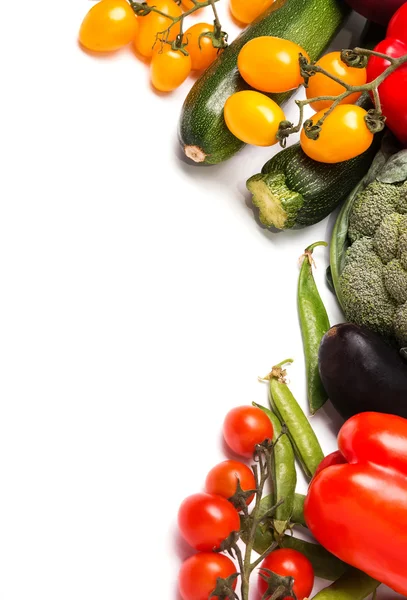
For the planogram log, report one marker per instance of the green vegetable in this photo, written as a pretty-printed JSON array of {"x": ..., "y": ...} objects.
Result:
[
  {"x": 295, "y": 191},
  {"x": 284, "y": 476},
  {"x": 369, "y": 250},
  {"x": 297, "y": 514},
  {"x": 352, "y": 585},
  {"x": 314, "y": 323},
  {"x": 203, "y": 132},
  {"x": 304, "y": 441}
]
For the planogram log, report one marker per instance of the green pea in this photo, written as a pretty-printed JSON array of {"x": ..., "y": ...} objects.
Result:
[
  {"x": 352, "y": 585},
  {"x": 303, "y": 439},
  {"x": 314, "y": 324},
  {"x": 284, "y": 476}
]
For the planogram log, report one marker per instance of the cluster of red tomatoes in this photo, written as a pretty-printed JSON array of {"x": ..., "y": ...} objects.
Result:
[
  {"x": 271, "y": 65},
  {"x": 206, "y": 519}
]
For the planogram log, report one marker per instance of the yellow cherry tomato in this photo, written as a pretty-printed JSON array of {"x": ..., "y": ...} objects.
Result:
[
  {"x": 246, "y": 11},
  {"x": 108, "y": 26},
  {"x": 321, "y": 85},
  {"x": 344, "y": 135},
  {"x": 153, "y": 23},
  {"x": 201, "y": 49},
  {"x": 271, "y": 64},
  {"x": 253, "y": 118},
  {"x": 169, "y": 68}
]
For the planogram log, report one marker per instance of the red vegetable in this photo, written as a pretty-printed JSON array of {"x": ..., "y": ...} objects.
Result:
[
  {"x": 245, "y": 427},
  {"x": 379, "y": 11},
  {"x": 393, "y": 90},
  {"x": 199, "y": 573},
  {"x": 335, "y": 458},
  {"x": 358, "y": 510},
  {"x": 205, "y": 520},
  {"x": 289, "y": 563}
]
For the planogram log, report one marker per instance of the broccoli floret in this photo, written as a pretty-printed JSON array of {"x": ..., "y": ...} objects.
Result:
[
  {"x": 365, "y": 298},
  {"x": 371, "y": 206},
  {"x": 387, "y": 237},
  {"x": 374, "y": 279}
]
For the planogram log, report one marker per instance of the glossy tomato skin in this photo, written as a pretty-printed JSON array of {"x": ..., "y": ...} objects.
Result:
[
  {"x": 108, "y": 26},
  {"x": 201, "y": 50},
  {"x": 344, "y": 135},
  {"x": 205, "y": 520},
  {"x": 270, "y": 64},
  {"x": 223, "y": 478},
  {"x": 253, "y": 118},
  {"x": 321, "y": 85},
  {"x": 145, "y": 42},
  {"x": 169, "y": 68},
  {"x": 245, "y": 427},
  {"x": 358, "y": 510},
  {"x": 198, "y": 575},
  {"x": 393, "y": 90},
  {"x": 246, "y": 11},
  {"x": 397, "y": 26},
  {"x": 290, "y": 563}
]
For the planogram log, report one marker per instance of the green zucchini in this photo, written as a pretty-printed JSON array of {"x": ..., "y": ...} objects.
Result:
[
  {"x": 202, "y": 131},
  {"x": 295, "y": 191}
]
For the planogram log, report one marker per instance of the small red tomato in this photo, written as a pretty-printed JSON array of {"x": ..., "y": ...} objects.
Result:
[
  {"x": 245, "y": 427},
  {"x": 335, "y": 458},
  {"x": 205, "y": 520},
  {"x": 222, "y": 479},
  {"x": 290, "y": 563},
  {"x": 198, "y": 575}
]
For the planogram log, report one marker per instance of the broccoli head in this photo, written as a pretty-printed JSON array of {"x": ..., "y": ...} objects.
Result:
[{"x": 373, "y": 282}]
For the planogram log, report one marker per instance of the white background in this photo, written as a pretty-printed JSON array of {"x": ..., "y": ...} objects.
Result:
[{"x": 139, "y": 301}]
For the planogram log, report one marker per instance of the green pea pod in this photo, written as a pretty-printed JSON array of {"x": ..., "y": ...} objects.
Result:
[
  {"x": 352, "y": 585},
  {"x": 298, "y": 510},
  {"x": 314, "y": 324},
  {"x": 325, "y": 564},
  {"x": 304, "y": 441},
  {"x": 284, "y": 476}
]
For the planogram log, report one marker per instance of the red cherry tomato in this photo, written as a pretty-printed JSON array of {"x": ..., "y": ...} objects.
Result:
[
  {"x": 222, "y": 479},
  {"x": 290, "y": 563},
  {"x": 198, "y": 575},
  {"x": 245, "y": 427},
  {"x": 205, "y": 520},
  {"x": 335, "y": 458}
]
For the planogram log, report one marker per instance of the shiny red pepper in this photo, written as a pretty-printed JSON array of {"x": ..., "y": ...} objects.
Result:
[
  {"x": 358, "y": 510},
  {"x": 393, "y": 90}
]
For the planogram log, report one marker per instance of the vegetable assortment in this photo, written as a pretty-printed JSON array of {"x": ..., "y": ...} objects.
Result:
[{"x": 356, "y": 505}]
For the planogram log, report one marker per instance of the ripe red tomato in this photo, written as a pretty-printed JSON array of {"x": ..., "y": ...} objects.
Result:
[
  {"x": 290, "y": 563},
  {"x": 198, "y": 575},
  {"x": 222, "y": 479},
  {"x": 205, "y": 520},
  {"x": 245, "y": 427}
]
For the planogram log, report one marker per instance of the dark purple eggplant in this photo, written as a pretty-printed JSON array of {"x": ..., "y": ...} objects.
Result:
[{"x": 361, "y": 372}]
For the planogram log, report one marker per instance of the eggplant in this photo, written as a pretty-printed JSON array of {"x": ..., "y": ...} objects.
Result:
[{"x": 361, "y": 372}]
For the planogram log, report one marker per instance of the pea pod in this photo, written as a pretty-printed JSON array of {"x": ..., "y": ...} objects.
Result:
[
  {"x": 304, "y": 441},
  {"x": 352, "y": 585},
  {"x": 284, "y": 476},
  {"x": 314, "y": 324}
]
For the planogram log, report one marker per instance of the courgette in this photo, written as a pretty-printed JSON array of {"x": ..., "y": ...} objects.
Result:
[
  {"x": 295, "y": 191},
  {"x": 203, "y": 133}
]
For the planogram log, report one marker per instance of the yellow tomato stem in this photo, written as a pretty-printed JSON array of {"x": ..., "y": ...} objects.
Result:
[{"x": 310, "y": 69}]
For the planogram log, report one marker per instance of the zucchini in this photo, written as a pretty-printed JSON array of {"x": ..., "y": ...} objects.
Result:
[
  {"x": 295, "y": 191},
  {"x": 202, "y": 131}
]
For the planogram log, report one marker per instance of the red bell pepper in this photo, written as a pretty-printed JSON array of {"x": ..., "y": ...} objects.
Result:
[
  {"x": 379, "y": 11},
  {"x": 393, "y": 90},
  {"x": 358, "y": 510}
]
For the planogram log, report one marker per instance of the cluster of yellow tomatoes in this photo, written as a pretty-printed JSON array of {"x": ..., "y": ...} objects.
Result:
[
  {"x": 271, "y": 65},
  {"x": 113, "y": 24}
]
